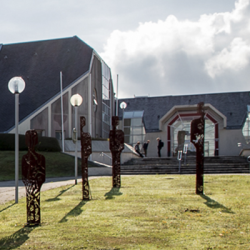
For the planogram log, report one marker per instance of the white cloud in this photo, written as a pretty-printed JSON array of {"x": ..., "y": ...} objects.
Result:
[
  {"x": 174, "y": 56},
  {"x": 234, "y": 58}
]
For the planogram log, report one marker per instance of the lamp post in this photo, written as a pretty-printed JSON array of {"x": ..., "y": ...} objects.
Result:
[
  {"x": 185, "y": 148},
  {"x": 179, "y": 157},
  {"x": 76, "y": 101},
  {"x": 123, "y": 105},
  {"x": 16, "y": 86}
]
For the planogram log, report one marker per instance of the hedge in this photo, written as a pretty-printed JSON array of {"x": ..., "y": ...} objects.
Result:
[{"x": 49, "y": 144}]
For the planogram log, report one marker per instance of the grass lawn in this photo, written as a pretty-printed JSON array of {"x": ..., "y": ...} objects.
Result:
[
  {"x": 57, "y": 164},
  {"x": 148, "y": 212}
]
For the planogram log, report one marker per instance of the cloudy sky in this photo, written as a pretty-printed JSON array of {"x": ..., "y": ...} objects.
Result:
[{"x": 160, "y": 47}]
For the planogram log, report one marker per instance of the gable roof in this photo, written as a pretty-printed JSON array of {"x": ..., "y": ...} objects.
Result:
[
  {"x": 39, "y": 64},
  {"x": 232, "y": 105}
]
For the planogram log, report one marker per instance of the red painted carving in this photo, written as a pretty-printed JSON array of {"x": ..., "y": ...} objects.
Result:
[
  {"x": 116, "y": 145},
  {"x": 33, "y": 176},
  {"x": 197, "y": 138},
  {"x": 86, "y": 150}
]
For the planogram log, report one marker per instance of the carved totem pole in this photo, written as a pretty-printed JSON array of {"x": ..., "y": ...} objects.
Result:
[
  {"x": 86, "y": 150},
  {"x": 116, "y": 145},
  {"x": 33, "y": 176},
  {"x": 197, "y": 138}
]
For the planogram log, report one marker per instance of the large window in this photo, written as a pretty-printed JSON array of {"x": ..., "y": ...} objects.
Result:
[
  {"x": 184, "y": 124},
  {"x": 106, "y": 100},
  {"x": 246, "y": 126},
  {"x": 134, "y": 129}
]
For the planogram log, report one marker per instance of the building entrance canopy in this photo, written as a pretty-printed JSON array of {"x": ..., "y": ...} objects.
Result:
[{"x": 179, "y": 118}]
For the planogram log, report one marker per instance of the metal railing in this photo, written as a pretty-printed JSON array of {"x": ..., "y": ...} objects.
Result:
[{"x": 107, "y": 156}]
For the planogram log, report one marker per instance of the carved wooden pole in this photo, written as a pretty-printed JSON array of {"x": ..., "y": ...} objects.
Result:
[
  {"x": 33, "y": 176},
  {"x": 116, "y": 145},
  {"x": 197, "y": 138},
  {"x": 86, "y": 150}
]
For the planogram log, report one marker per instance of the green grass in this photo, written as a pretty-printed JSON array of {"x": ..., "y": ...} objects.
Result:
[
  {"x": 148, "y": 212},
  {"x": 57, "y": 164}
]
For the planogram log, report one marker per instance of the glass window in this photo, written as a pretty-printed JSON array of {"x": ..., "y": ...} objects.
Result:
[
  {"x": 184, "y": 124},
  {"x": 136, "y": 122},
  {"x": 127, "y": 131},
  {"x": 127, "y": 122},
  {"x": 246, "y": 129},
  {"x": 133, "y": 126},
  {"x": 106, "y": 100},
  {"x": 128, "y": 139},
  {"x": 138, "y": 113},
  {"x": 128, "y": 115},
  {"x": 137, "y": 130},
  {"x": 137, "y": 138}
]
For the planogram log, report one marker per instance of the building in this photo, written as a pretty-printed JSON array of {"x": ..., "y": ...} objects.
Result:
[
  {"x": 227, "y": 127},
  {"x": 39, "y": 63}
]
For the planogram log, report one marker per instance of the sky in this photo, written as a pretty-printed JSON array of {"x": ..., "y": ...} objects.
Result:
[{"x": 158, "y": 48}]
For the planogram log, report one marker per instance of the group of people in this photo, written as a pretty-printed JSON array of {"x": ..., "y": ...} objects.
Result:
[{"x": 145, "y": 147}]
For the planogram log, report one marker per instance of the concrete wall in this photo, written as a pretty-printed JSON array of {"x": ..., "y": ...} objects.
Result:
[
  {"x": 152, "y": 147},
  {"x": 228, "y": 142}
]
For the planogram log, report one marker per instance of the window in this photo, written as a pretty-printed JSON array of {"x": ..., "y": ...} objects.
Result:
[
  {"x": 246, "y": 126},
  {"x": 184, "y": 124},
  {"x": 134, "y": 129},
  {"x": 106, "y": 100}
]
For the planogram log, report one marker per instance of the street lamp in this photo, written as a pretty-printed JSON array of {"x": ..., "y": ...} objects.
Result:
[
  {"x": 16, "y": 86},
  {"x": 123, "y": 105},
  {"x": 76, "y": 101}
]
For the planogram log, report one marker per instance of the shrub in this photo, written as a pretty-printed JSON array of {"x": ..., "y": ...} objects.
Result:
[{"x": 49, "y": 144}]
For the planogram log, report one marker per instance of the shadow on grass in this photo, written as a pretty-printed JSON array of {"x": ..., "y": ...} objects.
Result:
[
  {"x": 61, "y": 192},
  {"x": 76, "y": 211},
  {"x": 15, "y": 240},
  {"x": 215, "y": 205},
  {"x": 112, "y": 193},
  {"x": 7, "y": 207}
]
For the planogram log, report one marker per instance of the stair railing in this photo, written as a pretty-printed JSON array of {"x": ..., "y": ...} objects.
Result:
[{"x": 105, "y": 155}]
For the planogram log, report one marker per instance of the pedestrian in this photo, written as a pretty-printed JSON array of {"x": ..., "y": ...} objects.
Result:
[
  {"x": 137, "y": 149},
  {"x": 160, "y": 146},
  {"x": 145, "y": 147}
]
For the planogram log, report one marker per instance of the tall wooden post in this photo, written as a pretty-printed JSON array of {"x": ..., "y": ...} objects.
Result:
[
  {"x": 116, "y": 145},
  {"x": 197, "y": 138},
  {"x": 86, "y": 150}
]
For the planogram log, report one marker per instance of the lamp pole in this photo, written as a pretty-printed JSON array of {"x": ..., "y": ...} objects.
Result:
[
  {"x": 123, "y": 105},
  {"x": 76, "y": 101},
  {"x": 16, "y": 86}
]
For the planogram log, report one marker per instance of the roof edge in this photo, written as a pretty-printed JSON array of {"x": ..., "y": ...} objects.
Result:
[{"x": 193, "y": 108}]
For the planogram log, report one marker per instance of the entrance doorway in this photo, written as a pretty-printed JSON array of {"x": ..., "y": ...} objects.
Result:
[{"x": 182, "y": 122}]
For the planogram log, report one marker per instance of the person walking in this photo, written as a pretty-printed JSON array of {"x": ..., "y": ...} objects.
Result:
[
  {"x": 160, "y": 146},
  {"x": 145, "y": 147},
  {"x": 137, "y": 149}
]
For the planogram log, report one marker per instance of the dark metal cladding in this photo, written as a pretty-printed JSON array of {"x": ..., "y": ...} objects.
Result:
[
  {"x": 33, "y": 176},
  {"x": 116, "y": 145},
  {"x": 86, "y": 150},
  {"x": 197, "y": 138}
]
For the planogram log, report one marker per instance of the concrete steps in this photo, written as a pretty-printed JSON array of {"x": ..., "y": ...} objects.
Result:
[{"x": 212, "y": 165}]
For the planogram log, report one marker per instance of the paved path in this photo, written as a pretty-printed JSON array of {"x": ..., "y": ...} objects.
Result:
[{"x": 7, "y": 188}]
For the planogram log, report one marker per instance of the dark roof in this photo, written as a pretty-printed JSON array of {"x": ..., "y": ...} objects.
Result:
[
  {"x": 232, "y": 105},
  {"x": 39, "y": 64}
]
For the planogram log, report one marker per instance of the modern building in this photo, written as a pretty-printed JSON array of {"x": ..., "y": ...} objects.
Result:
[
  {"x": 42, "y": 63},
  {"x": 39, "y": 63},
  {"x": 227, "y": 129}
]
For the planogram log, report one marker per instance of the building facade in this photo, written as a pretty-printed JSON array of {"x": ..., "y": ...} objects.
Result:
[
  {"x": 44, "y": 65},
  {"x": 226, "y": 122}
]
